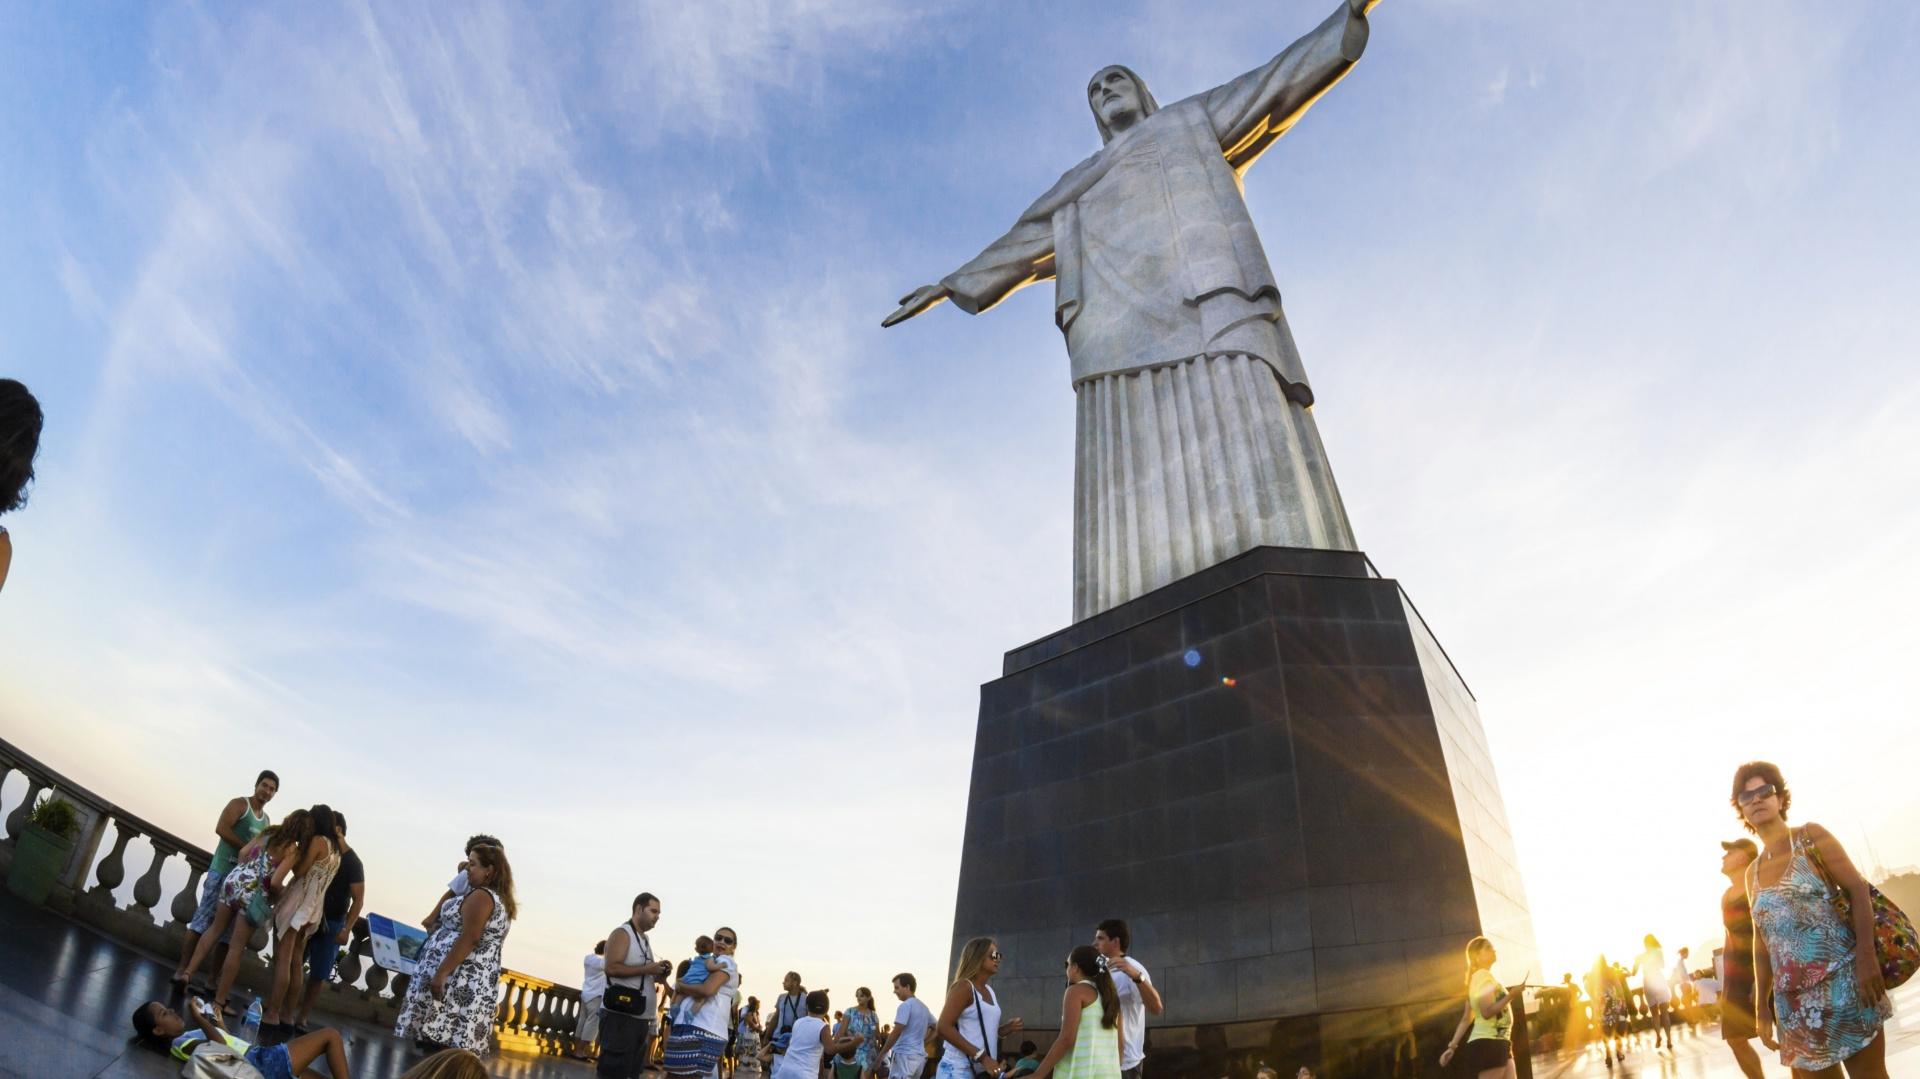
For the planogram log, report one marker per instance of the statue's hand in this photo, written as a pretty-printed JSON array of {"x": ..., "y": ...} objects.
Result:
[{"x": 921, "y": 299}]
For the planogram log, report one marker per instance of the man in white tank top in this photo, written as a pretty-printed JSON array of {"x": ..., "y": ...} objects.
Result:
[{"x": 624, "y": 1036}]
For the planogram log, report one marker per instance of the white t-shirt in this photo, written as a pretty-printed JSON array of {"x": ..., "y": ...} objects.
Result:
[
  {"x": 802, "y": 1058},
  {"x": 594, "y": 985},
  {"x": 1681, "y": 976},
  {"x": 1133, "y": 1016},
  {"x": 912, "y": 1019},
  {"x": 717, "y": 1011}
]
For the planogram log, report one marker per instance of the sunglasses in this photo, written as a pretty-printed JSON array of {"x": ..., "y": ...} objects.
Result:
[
  {"x": 1748, "y": 797},
  {"x": 994, "y": 955},
  {"x": 724, "y": 940}
]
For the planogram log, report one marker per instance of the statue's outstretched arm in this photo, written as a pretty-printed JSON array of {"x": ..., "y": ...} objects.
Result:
[
  {"x": 1021, "y": 257},
  {"x": 1250, "y": 112},
  {"x": 924, "y": 298}
]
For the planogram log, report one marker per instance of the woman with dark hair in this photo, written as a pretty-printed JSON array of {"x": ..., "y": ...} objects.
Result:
[
  {"x": 970, "y": 1018},
  {"x": 1819, "y": 997},
  {"x": 450, "y": 1002},
  {"x": 246, "y": 895},
  {"x": 1490, "y": 1048},
  {"x": 162, "y": 1028},
  {"x": 865, "y": 1022},
  {"x": 296, "y": 915},
  {"x": 1088, "y": 1046},
  {"x": 698, "y": 1038},
  {"x": 20, "y": 423}
]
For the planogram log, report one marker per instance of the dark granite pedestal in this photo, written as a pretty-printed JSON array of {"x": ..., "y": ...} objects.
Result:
[{"x": 1274, "y": 773}]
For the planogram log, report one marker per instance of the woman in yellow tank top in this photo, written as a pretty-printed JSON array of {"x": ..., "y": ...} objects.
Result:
[
  {"x": 1489, "y": 1048},
  {"x": 1088, "y": 1046}
]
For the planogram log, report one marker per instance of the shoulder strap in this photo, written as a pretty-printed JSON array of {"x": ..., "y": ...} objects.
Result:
[{"x": 980, "y": 1018}]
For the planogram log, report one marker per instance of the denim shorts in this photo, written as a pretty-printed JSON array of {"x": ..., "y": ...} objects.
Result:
[
  {"x": 323, "y": 949},
  {"x": 272, "y": 1061}
]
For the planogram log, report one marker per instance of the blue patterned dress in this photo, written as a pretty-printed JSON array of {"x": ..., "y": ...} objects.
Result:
[{"x": 1817, "y": 1010}]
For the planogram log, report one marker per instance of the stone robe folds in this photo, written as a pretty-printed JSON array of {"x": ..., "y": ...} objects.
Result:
[{"x": 1194, "y": 436}]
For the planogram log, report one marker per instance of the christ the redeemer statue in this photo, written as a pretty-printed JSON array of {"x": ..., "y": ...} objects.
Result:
[{"x": 1195, "y": 436}]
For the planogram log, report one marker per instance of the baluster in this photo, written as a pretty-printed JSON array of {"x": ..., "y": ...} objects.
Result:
[
  {"x": 146, "y": 890},
  {"x": 6, "y": 770},
  {"x": 350, "y": 964},
  {"x": 113, "y": 868},
  {"x": 377, "y": 977},
  {"x": 188, "y": 901},
  {"x": 400, "y": 983},
  {"x": 519, "y": 1019},
  {"x": 17, "y": 820}
]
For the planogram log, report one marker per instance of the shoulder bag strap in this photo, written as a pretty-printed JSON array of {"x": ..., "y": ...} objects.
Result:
[{"x": 980, "y": 1018}]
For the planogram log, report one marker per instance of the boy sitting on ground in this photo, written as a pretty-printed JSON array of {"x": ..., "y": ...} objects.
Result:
[{"x": 165, "y": 1029}]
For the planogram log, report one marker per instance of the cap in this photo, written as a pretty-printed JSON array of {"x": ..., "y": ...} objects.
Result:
[{"x": 1748, "y": 845}]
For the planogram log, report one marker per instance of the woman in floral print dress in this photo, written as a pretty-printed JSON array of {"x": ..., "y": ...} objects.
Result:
[
  {"x": 1819, "y": 997},
  {"x": 456, "y": 984}
]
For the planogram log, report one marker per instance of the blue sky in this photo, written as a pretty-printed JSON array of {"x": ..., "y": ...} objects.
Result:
[{"x": 485, "y": 422}]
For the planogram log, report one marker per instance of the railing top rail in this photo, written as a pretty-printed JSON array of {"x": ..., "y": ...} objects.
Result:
[
  {"x": 509, "y": 975},
  {"x": 70, "y": 789}
]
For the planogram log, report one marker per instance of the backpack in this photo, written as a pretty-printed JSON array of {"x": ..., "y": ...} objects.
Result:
[{"x": 212, "y": 1060}]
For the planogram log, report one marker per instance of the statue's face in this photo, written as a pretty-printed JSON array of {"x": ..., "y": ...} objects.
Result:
[{"x": 1114, "y": 97}]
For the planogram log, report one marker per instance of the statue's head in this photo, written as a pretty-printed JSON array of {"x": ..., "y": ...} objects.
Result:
[{"x": 1119, "y": 99}]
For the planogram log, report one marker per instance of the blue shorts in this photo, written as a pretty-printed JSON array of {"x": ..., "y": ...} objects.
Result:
[
  {"x": 209, "y": 903},
  {"x": 272, "y": 1060},
  {"x": 324, "y": 949}
]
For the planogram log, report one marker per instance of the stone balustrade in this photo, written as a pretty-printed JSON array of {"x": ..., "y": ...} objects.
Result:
[{"x": 535, "y": 1015}]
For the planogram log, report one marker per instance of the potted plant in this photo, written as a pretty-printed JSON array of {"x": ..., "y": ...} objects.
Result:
[{"x": 42, "y": 849}]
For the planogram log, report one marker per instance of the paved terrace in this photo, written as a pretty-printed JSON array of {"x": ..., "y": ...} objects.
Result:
[{"x": 66, "y": 994}]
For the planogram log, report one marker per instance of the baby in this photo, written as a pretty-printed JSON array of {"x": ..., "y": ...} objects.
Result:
[
  {"x": 165, "y": 1029},
  {"x": 696, "y": 974}
]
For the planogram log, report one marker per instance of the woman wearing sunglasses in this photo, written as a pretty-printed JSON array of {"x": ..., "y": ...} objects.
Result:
[
  {"x": 1819, "y": 997},
  {"x": 970, "y": 1019}
]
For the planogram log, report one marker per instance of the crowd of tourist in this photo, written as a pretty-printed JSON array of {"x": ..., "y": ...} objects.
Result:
[{"x": 1791, "y": 975}]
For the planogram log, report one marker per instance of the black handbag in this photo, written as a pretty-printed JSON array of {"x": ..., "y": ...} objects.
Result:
[{"x": 628, "y": 999}]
